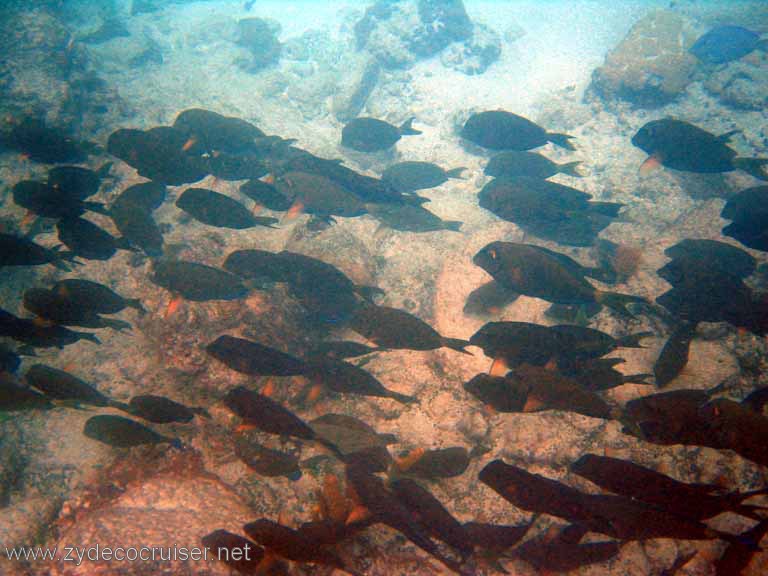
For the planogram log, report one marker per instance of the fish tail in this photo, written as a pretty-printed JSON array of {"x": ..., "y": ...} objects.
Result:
[
  {"x": 407, "y": 130},
  {"x": 119, "y": 406},
  {"x": 455, "y": 173},
  {"x": 618, "y": 302},
  {"x": 88, "y": 336},
  {"x": 610, "y": 209},
  {"x": 136, "y": 304},
  {"x": 638, "y": 379},
  {"x": 118, "y": 325},
  {"x": 570, "y": 168},
  {"x": 456, "y": 344},
  {"x": 752, "y": 512},
  {"x": 453, "y": 225},
  {"x": 752, "y": 166},
  {"x": 202, "y": 412},
  {"x": 632, "y": 340},
  {"x": 123, "y": 243},
  {"x": 97, "y": 207},
  {"x": 604, "y": 274},
  {"x": 402, "y": 398},
  {"x": 104, "y": 169},
  {"x": 561, "y": 140}
]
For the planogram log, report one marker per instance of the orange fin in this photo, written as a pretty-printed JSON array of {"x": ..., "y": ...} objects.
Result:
[
  {"x": 269, "y": 388},
  {"x": 173, "y": 306},
  {"x": 405, "y": 462},
  {"x": 358, "y": 514},
  {"x": 189, "y": 143},
  {"x": 294, "y": 211},
  {"x": 651, "y": 164},
  {"x": 244, "y": 428},
  {"x": 29, "y": 217},
  {"x": 499, "y": 367},
  {"x": 314, "y": 394},
  {"x": 533, "y": 404}
]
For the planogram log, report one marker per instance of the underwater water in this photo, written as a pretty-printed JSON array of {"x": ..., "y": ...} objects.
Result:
[{"x": 387, "y": 288}]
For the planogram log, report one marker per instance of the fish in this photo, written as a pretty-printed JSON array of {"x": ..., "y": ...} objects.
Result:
[
  {"x": 46, "y": 144},
  {"x": 757, "y": 399},
  {"x": 539, "y": 274},
  {"x": 265, "y": 461},
  {"x": 489, "y": 299},
  {"x": 219, "y": 210},
  {"x": 345, "y": 378},
  {"x": 342, "y": 349},
  {"x": 293, "y": 545},
  {"x": 725, "y": 43},
  {"x": 16, "y": 398},
  {"x": 559, "y": 550},
  {"x": 162, "y": 410},
  {"x": 267, "y": 415},
  {"x": 45, "y": 200},
  {"x": 695, "y": 501},
  {"x": 36, "y": 335},
  {"x": 57, "y": 309},
  {"x": 60, "y": 385},
  {"x": 409, "y": 218},
  {"x": 497, "y": 393},
  {"x": 76, "y": 181},
  {"x": 351, "y": 435},
  {"x": 615, "y": 516},
  {"x": 87, "y": 240},
  {"x": 738, "y": 555},
  {"x": 253, "y": 358},
  {"x": 197, "y": 282},
  {"x": 412, "y": 176},
  {"x": 397, "y": 329},
  {"x": 242, "y": 166},
  {"x": 216, "y": 132},
  {"x": 432, "y": 515},
  {"x": 20, "y": 251},
  {"x": 373, "y": 135},
  {"x": 319, "y": 195},
  {"x": 438, "y": 463},
  {"x": 9, "y": 360},
  {"x": 94, "y": 296},
  {"x": 674, "y": 355},
  {"x": 148, "y": 196},
  {"x": 501, "y": 130},
  {"x": 736, "y": 427},
  {"x": 266, "y": 195},
  {"x": 712, "y": 253},
  {"x": 747, "y": 210},
  {"x": 598, "y": 374},
  {"x": 137, "y": 225},
  {"x": 514, "y": 163},
  {"x": 123, "y": 432},
  {"x": 234, "y": 550},
  {"x": 679, "y": 145}
]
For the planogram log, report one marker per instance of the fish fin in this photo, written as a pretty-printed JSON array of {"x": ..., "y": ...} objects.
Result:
[
  {"x": 369, "y": 292},
  {"x": 533, "y": 404},
  {"x": 632, "y": 340},
  {"x": 358, "y": 514},
  {"x": 120, "y": 406},
  {"x": 571, "y": 169},
  {"x": 651, "y": 164},
  {"x": 561, "y": 140},
  {"x": 618, "y": 302},
  {"x": 173, "y": 306},
  {"x": 88, "y": 336},
  {"x": 414, "y": 199},
  {"x": 452, "y": 225},
  {"x": 266, "y": 221},
  {"x": 752, "y": 166},
  {"x": 201, "y": 412},
  {"x": 455, "y": 173},
  {"x": 97, "y": 207},
  {"x": 456, "y": 344},
  {"x": 725, "y": 138},
  {"x": 125, "y": 244},
  {"x": 115, "y": 324},
  {"x": 135, "y": 303},
  {"x": 402, "y": 398},
  {"x": 405, "y": 463},
  {"x": 638, "y": 379},
  {"x": 26, "y": 350},
  {"x": 104, "y": 169},
  {"x": 407, "y": 130},
  {"x": 610, "y": 209},
  {"x": 499, "y": 367},
  {"x": 294, "y": 211}
]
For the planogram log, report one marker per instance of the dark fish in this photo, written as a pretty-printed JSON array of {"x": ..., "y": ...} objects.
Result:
[
  {"x": 514, "y": 163},
  {"x": 44, "y": 143},
  {"x": 14, "y": 397},
  {"x": 350, "y": 435},
  {"x": 496, "y": 392},
  {"x": 599, "y": 374},
  {"x": 45, "y": 200},
  {"x": 495, "y": 537},
  {"x": 559, "y": 550},
  {"x": 736, "y": 427},
  {"x": 267, "y": 415},
  {"x": 695, "y": 501},
  {"x": 212, "y": 131},
  {"x": 39, "y": 336},
  {"x": 615, "y": 516},
  {"x": 670, "y": 418},
  {"x": 409, "y": 218},
  {"x": 319, "y": 195},
  {"x": 293, "y": 545},
  {"x": 254, "y": 358},
  {"x": 412, "y": 176},
  {"x": 342, "y": 349},
  {"x": 489, "y": 299},
  {"x": 372, "y": 135},
  {"x": 216, "y": 209},
  {"x": 58, "y": 309},
  {"x": 226, "y": 166},
  {"x": 234, "y": 550},
  {"x": 724, "y": 44},
  {"x": 123, "y": 432},
  {"x": 393, "y": 328},
  {"x": 438, "y": 463},
  {"x": 682, "y": 146},
  {"x": 9, "y": 360},
  {"x": 19, "y": 251},
  {"x": 197, "y": 282},
  {"x": 345, "y": 378},
  {"x": 738, "y": 555},
  {"x": 94, "y": 296},
  {"x": 749, "y": 211},
  {"x": 265, "y": 461},
  {"x": 674, "y": 355},
  {"x": 532, "y": 272},
  {"x": 432, "y": 514},
  {"x": 266, "y": 195},
  {"x": 76, "y": 181},
  {"x": 757, "y": 399},
  {"x": 87, "y": 240},
  {"x": 60, "y": 385},
  {"x": 136, "y": 225},
  {"x": 500, "y": 130},
  {"x": 162, "y": 410},
  {"x": 720, "y": 255},
  {"x": 147, "y": 195}
]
